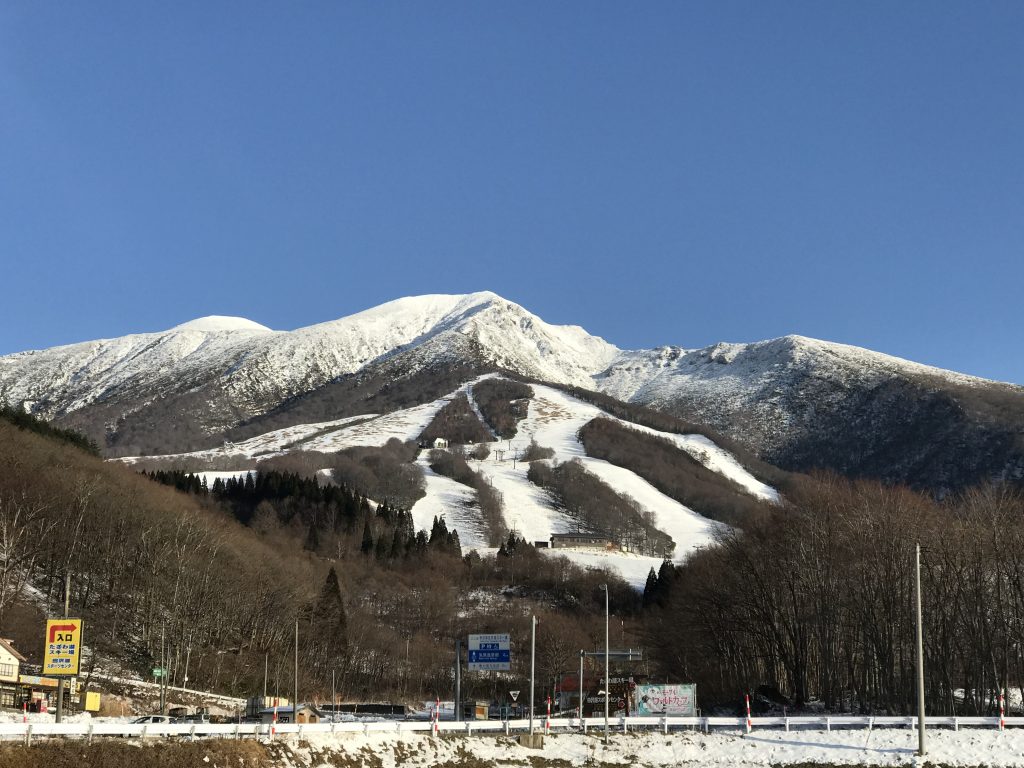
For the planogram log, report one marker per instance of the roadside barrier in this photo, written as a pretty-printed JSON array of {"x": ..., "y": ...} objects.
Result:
[{"x": 91, "y": 730}]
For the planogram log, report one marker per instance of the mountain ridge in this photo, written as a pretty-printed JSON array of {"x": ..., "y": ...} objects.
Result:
[{"x": 783, "y": 398}]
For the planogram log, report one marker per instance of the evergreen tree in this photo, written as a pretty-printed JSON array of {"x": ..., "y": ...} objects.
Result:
[
  {"x": 367, "y": 546},
  {"x": 454, "y": 545},
  {"x": 381, "y": 549},
  {"x": 398, "y": 541},
  {"x": 650, "y": 588},
  {"x": 329, "y": 619},
  {"x": 438, "y": 534},
  {"x": 666, "y": 579}
]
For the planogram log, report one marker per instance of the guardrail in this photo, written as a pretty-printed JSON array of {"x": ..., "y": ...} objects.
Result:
[{"x": 90, "y": 730}]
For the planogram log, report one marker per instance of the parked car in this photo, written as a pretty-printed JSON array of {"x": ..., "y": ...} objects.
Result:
[
  {"x": 198, "y": 717},
  {"x": 151, "y": 719}
]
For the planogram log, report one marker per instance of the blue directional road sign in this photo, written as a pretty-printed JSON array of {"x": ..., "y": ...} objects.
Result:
[{"x": 489, "y": 653}]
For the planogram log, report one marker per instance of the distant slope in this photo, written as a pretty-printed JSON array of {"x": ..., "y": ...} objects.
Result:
[
  {"x": 804, "y": 404},
  {"x": 553, "y": 421}
]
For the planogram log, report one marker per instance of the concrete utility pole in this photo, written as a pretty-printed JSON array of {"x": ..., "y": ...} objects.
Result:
[
  {"x": 458, "y": 680},
  {"x": 295, "y": 704},
  {"x": 920, "y": 652},
  {"x": 533, "y": 660},
  {"x": 581, "y": 685},
  {"x": 163, "y": 669},
  {"x": 60, "y": 680},
  {"x": 607, "y": 686}
]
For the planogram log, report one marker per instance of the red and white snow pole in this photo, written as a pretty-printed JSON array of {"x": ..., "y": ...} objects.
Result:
[
  {"x": 1002, "y": 711},
  {"x": 24, "y": 711},
  {"x": 273, "y": 721},
  {"x": 547, "y": 721},
  {"x": 746, "y": 696},
  {"x": 437, "y": 714}
]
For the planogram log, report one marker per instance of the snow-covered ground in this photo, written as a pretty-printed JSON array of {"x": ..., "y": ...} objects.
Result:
[
  {"x": 553, "y": 421},
  {"x": 452, "y": 501},
  {"x": 882, "y": 747},
  {"x": 632, "y": 568}
]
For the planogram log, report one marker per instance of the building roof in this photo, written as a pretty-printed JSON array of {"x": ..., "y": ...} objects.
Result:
[
  {"x": 286, "y": 708},
  {"x": 8, "y": 646}
]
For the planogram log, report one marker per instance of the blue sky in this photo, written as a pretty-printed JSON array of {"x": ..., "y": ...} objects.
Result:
[{"x": 659, "y": 173}]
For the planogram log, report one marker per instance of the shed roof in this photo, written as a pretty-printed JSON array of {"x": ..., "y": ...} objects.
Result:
[{"x": 9, "y": 647}]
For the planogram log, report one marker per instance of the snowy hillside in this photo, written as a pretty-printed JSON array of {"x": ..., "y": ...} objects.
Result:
[
  {"x": 796, "y": 402},
  {"x": 553, "y": 421},
  {"x": 260, "y": 367}
]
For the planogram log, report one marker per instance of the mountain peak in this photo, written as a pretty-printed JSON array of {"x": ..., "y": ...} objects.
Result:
[{"x": 214, "y": 323}]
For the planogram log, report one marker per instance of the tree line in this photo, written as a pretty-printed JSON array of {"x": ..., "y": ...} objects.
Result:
[{"x": 814, "y": 600}]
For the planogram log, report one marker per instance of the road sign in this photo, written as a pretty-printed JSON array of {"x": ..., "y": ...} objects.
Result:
[
  {"x": 63, "y": 648},
  {"x": 159, "y": 671},
  {"x": 489, "y": 653},
  {"x": 514, "y": 695}
]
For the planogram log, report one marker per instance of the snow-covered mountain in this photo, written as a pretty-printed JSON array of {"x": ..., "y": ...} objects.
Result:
[
  {"x": 258, "y": 368},
  {"x": 798, "y": 402},
  {"x": 553, "y": 421}
]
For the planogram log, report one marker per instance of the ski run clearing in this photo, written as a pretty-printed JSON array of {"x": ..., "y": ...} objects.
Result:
[{"x": 553, "y": 421}]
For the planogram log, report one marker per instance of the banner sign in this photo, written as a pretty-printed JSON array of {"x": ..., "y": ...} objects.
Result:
[
  {"x": 63, "y": 647},
  {"x": 670, "y": 700},
  {"x": 37, "y": 682},
  {"x": 489, "y": 653}
]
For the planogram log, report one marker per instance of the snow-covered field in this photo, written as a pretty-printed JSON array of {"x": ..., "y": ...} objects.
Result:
[{"x": 883, "y": 747}]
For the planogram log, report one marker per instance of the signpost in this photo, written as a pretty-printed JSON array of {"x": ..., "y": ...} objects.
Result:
[
  {"x": 63, "y": 652},
  {"x": 489, "y": 653}
]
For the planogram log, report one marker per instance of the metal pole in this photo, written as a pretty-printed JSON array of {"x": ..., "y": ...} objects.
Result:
[
  {"x": 266, "y": 669},
  {"x": 458, "y": 680},
  {"x": 163, "y": 669},
  {"x": 920, "y": 653},
  {"x": 533, "y": 660},
  {"x": 188, "y": 655},
  {"x": 581, "y": 686},
  {"x": 60, "y": 680},
  {"x": 607, "y": 683},
  {"x": 334, "y": 696},
  {"x": 295, "y": 704}
]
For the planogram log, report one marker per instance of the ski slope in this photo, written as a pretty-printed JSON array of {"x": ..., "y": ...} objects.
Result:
[{"x": 553, "y": 421}]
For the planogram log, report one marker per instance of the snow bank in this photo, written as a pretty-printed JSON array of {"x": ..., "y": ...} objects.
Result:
[{"x": 761, "y": 748}]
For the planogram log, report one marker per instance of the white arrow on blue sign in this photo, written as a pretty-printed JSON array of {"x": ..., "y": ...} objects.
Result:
[{"x": 489, "y": 653}]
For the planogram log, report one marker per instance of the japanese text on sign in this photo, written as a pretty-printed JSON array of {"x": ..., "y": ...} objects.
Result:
[{"x": 63, "y": 647}]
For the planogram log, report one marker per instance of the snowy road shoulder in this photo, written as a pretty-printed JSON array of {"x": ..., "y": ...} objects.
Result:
[{"x": 881, "y": 747}]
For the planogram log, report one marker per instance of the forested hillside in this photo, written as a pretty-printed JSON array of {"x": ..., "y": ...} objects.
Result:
[
  {"x": 814, "y": 601},
  {"x": 226, "y": 570}
]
